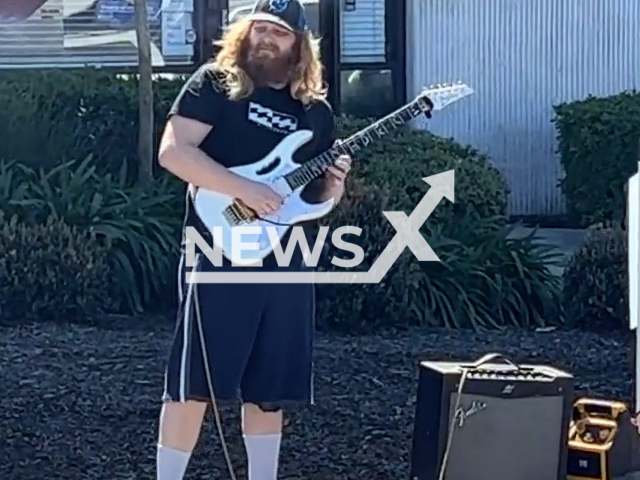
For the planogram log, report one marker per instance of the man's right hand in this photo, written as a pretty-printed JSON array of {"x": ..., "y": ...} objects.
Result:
[{"x": 260, "y": 197}]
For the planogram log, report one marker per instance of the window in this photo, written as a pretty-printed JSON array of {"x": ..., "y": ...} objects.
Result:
[
  {"x": 74, "y": 33},
  {"x": 367, "y": 93},
  {"x": 362, "y": 31}
]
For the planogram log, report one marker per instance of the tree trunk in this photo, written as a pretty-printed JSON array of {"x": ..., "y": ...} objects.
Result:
[{"x": 145, "y": 95}]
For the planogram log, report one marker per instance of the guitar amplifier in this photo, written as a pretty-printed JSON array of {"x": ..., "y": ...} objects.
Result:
[
  {"x": 603, "y": 442},
  {"x": 491, "y": 419}
]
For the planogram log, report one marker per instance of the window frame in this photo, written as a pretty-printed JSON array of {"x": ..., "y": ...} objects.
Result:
[{"x": 395, "y": 46}]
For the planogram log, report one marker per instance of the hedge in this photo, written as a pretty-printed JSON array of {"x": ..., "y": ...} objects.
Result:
[
  {"x": 52, "y": 271},
  {"x": 599, "y": 147},
  {"x": 485, "y": 278},
  {"x": 140, "y": 225},
  {"x": 596, "y": 281},
  {"x": 74, "y": 158},
  {"x": 54, "y": 116}
]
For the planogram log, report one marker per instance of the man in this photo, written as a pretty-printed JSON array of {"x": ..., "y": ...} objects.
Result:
[{"x": 265, "y": 83}]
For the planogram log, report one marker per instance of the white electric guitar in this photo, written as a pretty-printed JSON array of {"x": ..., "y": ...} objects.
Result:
[{"x": 258, "y": 236}]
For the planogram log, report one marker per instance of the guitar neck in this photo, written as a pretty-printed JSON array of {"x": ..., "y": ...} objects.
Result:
[{"x": 315, "y": 167}]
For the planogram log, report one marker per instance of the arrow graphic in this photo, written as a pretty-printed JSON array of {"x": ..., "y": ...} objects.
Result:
[
  {"x": 442, "y": 185},
  {"x": 407, "y": 235}
]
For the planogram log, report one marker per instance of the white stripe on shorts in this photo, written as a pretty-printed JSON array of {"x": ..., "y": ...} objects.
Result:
[{"x": 186, "y": 330}]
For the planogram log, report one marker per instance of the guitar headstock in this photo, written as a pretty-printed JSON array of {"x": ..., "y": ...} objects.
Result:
[{"x": 442, "y": 95}]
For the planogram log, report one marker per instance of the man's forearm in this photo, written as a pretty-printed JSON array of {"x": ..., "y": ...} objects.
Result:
[{"x": 193, "y": 166}]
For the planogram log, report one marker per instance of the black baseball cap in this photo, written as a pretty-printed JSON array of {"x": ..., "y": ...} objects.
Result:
[{"x": 287, "y": 13}]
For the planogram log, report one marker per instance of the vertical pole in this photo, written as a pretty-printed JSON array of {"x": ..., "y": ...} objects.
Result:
[
  {"x": 145, "y": 93},
  {"x": 633, "y": 229},
  {"x": 329, "y": 31}
]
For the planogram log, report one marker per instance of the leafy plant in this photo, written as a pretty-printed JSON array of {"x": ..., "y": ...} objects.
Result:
[
  {"x": 54, "y": 116},
  {"x": 400, "y": 162},
  {"x": 491, "y": 280},
  {"x": 52, "y": 271},
  {"x": 486, "y": 277},
  {"x": 142, "y": 226},
  {"x": 598, "y": 142},
  {"x": 92, "y": 115},
  {"x": 596, "y": 281}
]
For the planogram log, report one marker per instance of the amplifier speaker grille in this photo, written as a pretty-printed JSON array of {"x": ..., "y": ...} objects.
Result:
[
  {"x": 505, "y": 438},
  {"x": 511, "y": 421}
]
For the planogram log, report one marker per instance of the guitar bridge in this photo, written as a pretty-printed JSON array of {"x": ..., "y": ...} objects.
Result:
[{"x": 237, "y": 213}]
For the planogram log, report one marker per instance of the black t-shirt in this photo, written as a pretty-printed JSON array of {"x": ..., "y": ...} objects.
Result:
[{"x": 245, "y": 131}]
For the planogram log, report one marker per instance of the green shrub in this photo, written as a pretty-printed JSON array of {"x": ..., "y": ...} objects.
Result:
[
  {"x": 142, "y": 226},
  {"x": 51, "y": 271},
  {"x": 596, "y": 281},
  {"x": 65, "y": 115},
  {"x": 54, "y": 116},
  {"x": 484, "y": 279},
  {"x": 598, "y": 145},
  {"x": 490, "y": 280},
  {"x": 400, "y": 161}
]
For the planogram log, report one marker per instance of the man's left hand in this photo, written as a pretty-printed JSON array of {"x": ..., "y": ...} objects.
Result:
[
  {"x": 337, "y": 173},
  {"x": 332, "y": 183}
]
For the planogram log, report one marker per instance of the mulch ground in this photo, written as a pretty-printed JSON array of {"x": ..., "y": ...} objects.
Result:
[{"x": 83, "y": 403}]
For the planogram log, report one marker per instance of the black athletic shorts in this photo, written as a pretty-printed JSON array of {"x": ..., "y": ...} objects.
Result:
[{"x": 257, "y": 338}]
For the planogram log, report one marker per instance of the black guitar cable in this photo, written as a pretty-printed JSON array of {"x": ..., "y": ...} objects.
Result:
[{"x": 214, "y": 405}]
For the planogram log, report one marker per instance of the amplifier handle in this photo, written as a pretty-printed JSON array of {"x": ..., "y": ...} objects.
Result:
[{"x": 494, "y": 356}]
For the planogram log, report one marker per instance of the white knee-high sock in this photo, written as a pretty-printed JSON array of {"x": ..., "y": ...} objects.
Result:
[
  {"x": 263, "y": 452},
  {"x": 171, "y": 464}
]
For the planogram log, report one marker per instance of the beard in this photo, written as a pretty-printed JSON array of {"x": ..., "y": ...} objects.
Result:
[{"x": 264, "y": 63}]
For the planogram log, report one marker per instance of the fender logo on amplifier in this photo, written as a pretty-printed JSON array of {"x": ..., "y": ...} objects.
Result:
[{"x": 462, "y": 414}]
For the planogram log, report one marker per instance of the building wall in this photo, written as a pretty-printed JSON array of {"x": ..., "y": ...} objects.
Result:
[{"x": 522, "y": 57}]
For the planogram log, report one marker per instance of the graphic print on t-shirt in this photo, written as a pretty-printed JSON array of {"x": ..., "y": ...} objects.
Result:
[{"x": 276, "y": 121}]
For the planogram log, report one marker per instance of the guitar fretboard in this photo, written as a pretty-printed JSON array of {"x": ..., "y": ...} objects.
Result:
[{"x": 315, "y": 167}]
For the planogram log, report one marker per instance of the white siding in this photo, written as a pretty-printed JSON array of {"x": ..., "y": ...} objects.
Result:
[
  {"x": 522, "y": 57},
  {"x": 80, "y": 32},
  {"x": 362, "y": 32}
]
